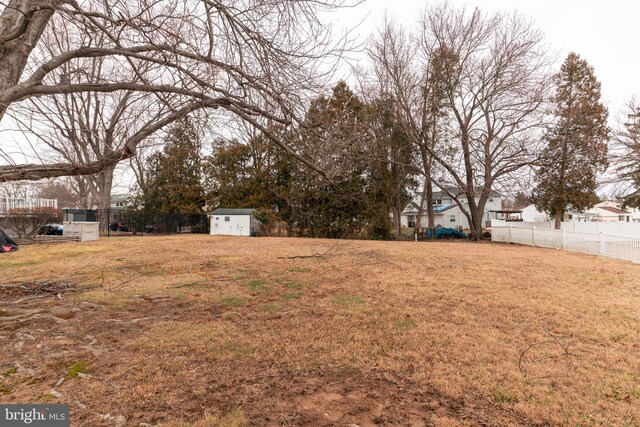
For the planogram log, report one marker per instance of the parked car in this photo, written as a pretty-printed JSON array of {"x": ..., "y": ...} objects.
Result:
[
  {"x": 118, "y": 226},
  {"x": 51, "y": 230},
  {"x": 150, "y": 228}
]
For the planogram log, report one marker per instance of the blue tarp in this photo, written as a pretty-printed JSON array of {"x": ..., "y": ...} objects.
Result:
[{"x": 439, "y": 232}]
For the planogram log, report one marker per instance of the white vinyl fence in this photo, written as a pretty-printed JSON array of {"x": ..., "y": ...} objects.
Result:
[
  {"x": 621, "y": 247},
  {"x": 630, "y": 229}
]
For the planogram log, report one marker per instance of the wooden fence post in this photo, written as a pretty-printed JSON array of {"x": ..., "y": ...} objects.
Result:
[
  {"x": 602, "y": 245},
  {"x": 563, "y": 237}
]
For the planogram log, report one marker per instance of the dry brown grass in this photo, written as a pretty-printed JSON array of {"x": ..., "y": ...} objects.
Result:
[{"x": 215, "y": 331}]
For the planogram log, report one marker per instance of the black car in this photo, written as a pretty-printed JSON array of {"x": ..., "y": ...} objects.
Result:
[
  {"x": 51, "y": 230},
  {"x": 118, "y": 226}
]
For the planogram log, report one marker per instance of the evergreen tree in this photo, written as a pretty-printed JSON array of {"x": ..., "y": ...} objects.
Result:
[
  {"x": 173, "y": 176},
  {"x": 254, "y": 174},
  {"x": 334, "y": 136},
  {"x": 577, "y": 142},
  {"x": 390, "y": 172}
]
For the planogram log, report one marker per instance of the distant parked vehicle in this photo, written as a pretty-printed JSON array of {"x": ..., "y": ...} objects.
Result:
[
  {"x": 118, "y": 226},
  {"x": 150, "y": 228},
  {"x": 51, "y": 230}
]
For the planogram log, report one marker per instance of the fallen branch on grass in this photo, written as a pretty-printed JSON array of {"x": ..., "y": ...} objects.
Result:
[
  {"x": 117, "y": 285},
  {"x": 371, "y": 257},
  {"x": 374, "y": 257},
  {"x": 555, "y": 340},
  {"x": 32, "y": 290},
  {"x": 331, "y": 252}
]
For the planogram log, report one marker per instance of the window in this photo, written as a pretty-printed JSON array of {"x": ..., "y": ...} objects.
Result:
[
  {"x": 621, "y": 218},
  {"x": 227, "y": 218},
  {"x": 217, "y": 218},
  {"x": 490, "y": 199},
  {"x": 452, "y": 218},
  {"x": 437, "y": 202}
]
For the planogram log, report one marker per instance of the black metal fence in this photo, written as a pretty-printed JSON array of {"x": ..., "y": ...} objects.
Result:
[{"x": 123, "y": 222}]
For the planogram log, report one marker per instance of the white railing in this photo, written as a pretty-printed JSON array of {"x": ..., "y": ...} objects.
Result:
[
  {"x": 8, "y": 203},
  {"x": 621, "y": 247}
]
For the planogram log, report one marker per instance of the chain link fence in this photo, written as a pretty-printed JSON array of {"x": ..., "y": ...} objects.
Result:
[{"x": 118, "y": 222}]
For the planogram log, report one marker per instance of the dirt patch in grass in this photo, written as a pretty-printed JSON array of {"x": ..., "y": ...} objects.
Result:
[{"x": 233, "y": 331}]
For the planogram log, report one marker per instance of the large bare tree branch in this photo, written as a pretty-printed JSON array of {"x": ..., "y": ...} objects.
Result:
[{"x": 258, "y": 61}]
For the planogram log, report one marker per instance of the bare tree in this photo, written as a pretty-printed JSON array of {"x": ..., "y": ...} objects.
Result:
[
  {"x": 256, "y": 60},
  {"x": 82, "y": 128},
  {"x": 625, "y": 154},
  {"x": 69, "y": 194},
  {"x": 419, "y": 84},
  {"x": 17, "y": 190},
  {"x": 492, "y": 74}
]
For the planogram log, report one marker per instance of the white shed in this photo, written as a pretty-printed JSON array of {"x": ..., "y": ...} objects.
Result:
[{"x": 234, "y": 222}]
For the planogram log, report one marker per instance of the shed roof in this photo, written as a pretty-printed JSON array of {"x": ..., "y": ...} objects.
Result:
[{"x": 230, "y": 211}]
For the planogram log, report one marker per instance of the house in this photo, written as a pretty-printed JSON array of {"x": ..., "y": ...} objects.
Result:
[
  {"x": 602, "y": 212},
  {"x": 234, "y": 222},
  {"x": 446, "y": 211},
  {"x": 532, "y": 214},
  {"x": 119, "y": 201},
  {"x": 605, "y": 213}
]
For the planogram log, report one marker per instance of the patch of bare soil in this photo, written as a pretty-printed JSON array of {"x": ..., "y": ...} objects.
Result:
[{"x": 117, "y": 382}]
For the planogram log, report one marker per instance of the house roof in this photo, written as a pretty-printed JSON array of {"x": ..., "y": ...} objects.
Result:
[
  {"x": 230, "y": 211},
  {"x": 411, "y": 208},
  {"x": 614, "y": 210},
  {"x": 457, "y": 191}
]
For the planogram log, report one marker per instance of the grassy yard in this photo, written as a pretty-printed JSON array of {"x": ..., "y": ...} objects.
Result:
[{"x": 215, "y": 331}]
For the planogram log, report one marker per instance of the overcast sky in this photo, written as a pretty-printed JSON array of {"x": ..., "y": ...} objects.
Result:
[{"x": 605, "y": 33}]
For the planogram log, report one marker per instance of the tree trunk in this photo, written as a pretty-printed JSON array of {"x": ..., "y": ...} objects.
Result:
[
  {"x": 104, "y": 186},
  {"x": 21, "y": 25},
  {"x": 420, "y": 208},
  {"x": 395, "y": 217},
  {"x": 431, "y": 221},
  {"x": 476, "y": 227},
  {"x": 558, "y": 217},
  {"x": 476, "y": 212}
]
